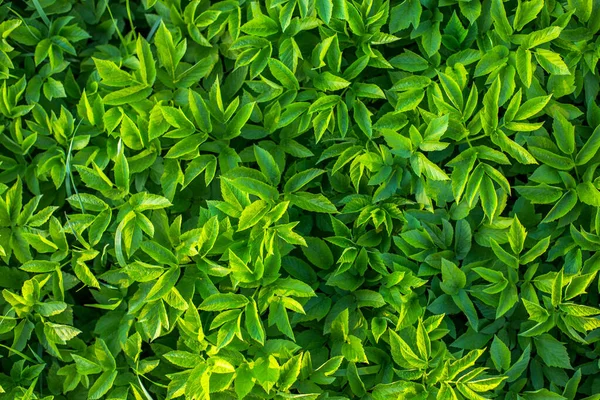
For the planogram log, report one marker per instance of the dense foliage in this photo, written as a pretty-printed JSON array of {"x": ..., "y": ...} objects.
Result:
[{"x": 299, "y": 199}]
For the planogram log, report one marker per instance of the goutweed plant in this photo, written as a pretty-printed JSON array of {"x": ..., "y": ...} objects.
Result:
[{"x": 299, "y": 199}]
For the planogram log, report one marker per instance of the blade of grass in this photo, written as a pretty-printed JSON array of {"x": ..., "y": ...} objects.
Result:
[
  {"x": 114, "y": 21},
  {"x": 24, "y": 23},
  {"x": 69, "y": 178},
  {"x": 154, "y": 28},
  {"x": 119, "y": 239},
  {"x": 40, "y": 10},
  {"x": 17, "y": 352},
  {"x": 77, "y": 235},
  {"x": 148, "y": 397},
  {"x": 127, "y": 6}
]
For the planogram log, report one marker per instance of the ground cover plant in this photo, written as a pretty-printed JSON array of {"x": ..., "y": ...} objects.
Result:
[{"x": 299, "y": 199}]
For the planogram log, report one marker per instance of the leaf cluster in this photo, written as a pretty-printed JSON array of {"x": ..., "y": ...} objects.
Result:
[{"x": 299, "y": 199}]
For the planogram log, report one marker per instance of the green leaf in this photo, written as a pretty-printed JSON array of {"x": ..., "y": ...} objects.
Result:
[
  {"x": 147, "y": 63},
  {"x": 330, "y": 82},
  {"x": 131, "y": 94},
  {"x": 588, "y": 194},
  {"x": 50, "y": 308},
  {"x": 564, "y": 133},
  {"x": 550, "y": 61},
  {"x": 409, "y": 61},
  {"x": 94, "y": 178},
  {"x": 489, "y": 115},
  {"x": 285, "y": 232},
  {"x": 514, "y": 149},
  {"x": 321, "y": 123},
  {"x": 318, "y": 252},
  {"x": 253, "y": 323},
  {"x": 589, "y": 149},
  {"x": 323, "y": 103},
  {"x": 527, "y": 11},
  {"x": 402, "y": 353},
  {"x": 199, "y": 111},
  {"x": 223, "y": 301},
  {"x": 362, "y": 116},
  {"x": 489, "y": 199},
  {"x": 39, "y": 266},
  {"x": 453, "y": 279},
  {"x": 282, "y": 73},
  {"x": 325, "y": 9},
  {"x": 553, "y": 352},
  {"x": 353, "y": 351},
  {"x": 165, "y": 47},
  {"x": 159, "y": 253},
  {"x": 556, "y": 292},
  {"x": 121, "y": 171},
  {"x": 517, "y": 235},
  {"x": 504, "y": 256},
  {"x": 301, "y": 179},
  {"x": 234, "y": 127},
  {"x": 405, "y": 14},
  {"x": 519, "y": 367},
  {"x": 409, "y": 100},
  {"x": 423, "y": 341},
  {"x": 111, "y": 74},
  {"x": 252, "y": 214},
  {"x": 164, "y": 284},
  {"x": 562, "y": 206},
  {"x": 244, "y": 381},
  {"x": 540, "y": 194},
  {"x": 432, "y": 39},
  {"x": 260, "y": 25},
  {"x": 266, "y": 371},
  {"x": 267, "y": 165},
  {"x": 102, "y": 385},
  {"x": 524, "y": 67},
  {"x": 452, "y": 90},
  {"x": 312, "y": 202},
  {"x": 86, "y": 276},
  {"x": 59, "y": 333},
  {"x": 537, "y": 250},
  {"x": 532, "y": 107},
  {"x": 255, "y": 187},
  {"x": 500, "y": 354},
  {"x": 368, "y": 90},
  {"x": 500, "y": 19},
  {"x": 355, "y": 20},
  {"x": 542, "y": 36}
]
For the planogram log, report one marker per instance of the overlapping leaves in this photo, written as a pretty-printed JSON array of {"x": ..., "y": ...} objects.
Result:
[{"x": 303, "y": 199}]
